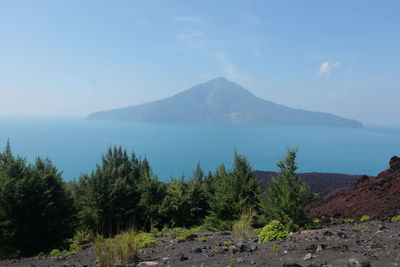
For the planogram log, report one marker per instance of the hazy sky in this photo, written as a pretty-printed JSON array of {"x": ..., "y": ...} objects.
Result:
[{"x": 73, "y": 57}]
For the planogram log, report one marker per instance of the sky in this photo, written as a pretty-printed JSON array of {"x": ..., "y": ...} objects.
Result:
[{"x": 68, "y": 58}]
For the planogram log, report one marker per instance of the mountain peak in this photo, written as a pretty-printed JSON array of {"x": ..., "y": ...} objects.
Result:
[{"x": 220, "y": 100}]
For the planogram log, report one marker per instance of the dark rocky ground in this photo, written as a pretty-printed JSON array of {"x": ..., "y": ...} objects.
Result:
[{"x": 376, "y": 243}]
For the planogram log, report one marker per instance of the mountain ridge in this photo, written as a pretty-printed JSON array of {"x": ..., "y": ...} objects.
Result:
[{"x": 220, "y": 100}]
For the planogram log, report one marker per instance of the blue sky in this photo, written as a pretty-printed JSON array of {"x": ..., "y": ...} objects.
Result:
[{"x": 72, "y": 57}]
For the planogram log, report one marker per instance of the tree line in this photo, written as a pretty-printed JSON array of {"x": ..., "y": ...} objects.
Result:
[{"x": 39, "y": 211}]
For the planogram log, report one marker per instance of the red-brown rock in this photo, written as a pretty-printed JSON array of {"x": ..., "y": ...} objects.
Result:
[{"x": 378, "y": 197}]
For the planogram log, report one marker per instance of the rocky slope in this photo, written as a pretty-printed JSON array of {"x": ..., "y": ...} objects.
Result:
[
  {"x": 376, "y": 243},
  {"x": 378, "y": 197}
]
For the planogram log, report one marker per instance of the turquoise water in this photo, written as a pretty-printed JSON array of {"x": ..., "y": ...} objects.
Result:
[{"x": 76, "y": 145}]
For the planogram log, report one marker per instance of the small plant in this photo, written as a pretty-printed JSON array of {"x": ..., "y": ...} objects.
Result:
[
  {"x": 257, "y": 231},
  {"x": 273, "y": 231},
  {"x": 202, "y": 239},
  {"x": 361, "y": 227},
  {"x": 227, "y": 243},
  {"x": 316, "y": 221},
  {"x": 395, "y": 218},
  {"x": 241, "y": 228},
  {"x": 55, "y": 252},
  {"x": 348, "y": 220},
  {"x": 186, "y": 235},
  {"x": 146, "y": 240},
  {"x": 274, "y": 249},
  {"x": 365, "y": 218},
  {"x": 123, "y": 249},
  {"x": 326, "y": 230},
  {"x": 214, "y": 250}
]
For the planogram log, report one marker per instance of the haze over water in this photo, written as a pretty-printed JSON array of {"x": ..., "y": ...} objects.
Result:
[{"x": 76, "y": 145}]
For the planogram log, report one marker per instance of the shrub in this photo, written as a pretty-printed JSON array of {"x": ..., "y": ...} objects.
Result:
[
  {"x": 122, "y": 249},
  {"x": 187, "y": 235},
  {"x": 227, "y": 243},
  {"x": 146, "y": 240},
  {"x": 241, "y": 228},
  {"x": 273, "y": 231},
  {"x": 348, "y": 220},
  {"x": 326, "y": 230},
  {"x": 365, "y": 218},
  {"x": 55, "y": 252},
  {"x": 202, "y": 239},
  {"x": 316, "y": 221},
  {"x": 396, "y": 218}
]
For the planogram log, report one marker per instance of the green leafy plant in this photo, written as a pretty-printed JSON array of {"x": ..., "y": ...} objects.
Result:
[
  {"x": 273, "y": 231},
  {"x": 348, "y": 220},
  {"x": 395, "y": 218},
  {"x": 365, "y": 218},
  {"x": 316, "y": 221},
  {"x": 214, "y": 250},
  {"x": 227, "y": 243},
  {"x": 202, "y": 239},
  {"x": 145, "y": 240},
  {"x": 55, "y": 252},
  {"x": 186, "y": 235},
  {"x": 326, "y": 230}
]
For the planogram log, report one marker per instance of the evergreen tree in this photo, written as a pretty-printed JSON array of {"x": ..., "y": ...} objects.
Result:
[
  {"x": 35, "y": 209},
  {"x": 286, "y": 195},
  {"x": 108, "y": 198}
]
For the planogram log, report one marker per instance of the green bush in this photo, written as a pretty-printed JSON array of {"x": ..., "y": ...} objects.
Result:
[
  {"x": 146, "y": 240},
  {"x": 227, "y": 243},
  {"x": 186, "y": 235},
  {"x": 348, "y": 220},
  {"x": 202, "y": 239},
  {"x": 55, "y": 252},
  {"x": 273, "y": 231},
  {"x": 316, "y": 221},
  {"x": 361, "y": 227},
  {"x": 396, "y": 218},
  {"x": 365, "y": 218}
]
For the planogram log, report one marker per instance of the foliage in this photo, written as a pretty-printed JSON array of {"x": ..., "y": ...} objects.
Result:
[
  {"x": 286, "y": 195},
  {"x": 365, "y": 218},
  {"x": 316, "y": 221},
  {"x": 36, "y": 212},
  {"x": 241, "y": 228},
  {"x": 123, "y": 249},
  {"x": 107, "y": 199},
  {"x": 326, "y": 230},
  {"x": 202, "y": 239},
  {"x": 348, "y": 220},
  {"x": 274, "y": 230},
  {"x": 186, "y": 235},
  {"x": 395, "y": 218},
  {"x": 227, "y": 243},
  {"x": 231, "y": 193}
]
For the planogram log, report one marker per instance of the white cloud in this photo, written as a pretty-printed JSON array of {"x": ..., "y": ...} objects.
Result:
[
  {"x": 327, "y": 67},
  {"x": 227, "y": 67}
]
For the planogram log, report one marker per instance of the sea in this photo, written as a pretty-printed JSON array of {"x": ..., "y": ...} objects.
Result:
[{"x": 76, "y": 145}]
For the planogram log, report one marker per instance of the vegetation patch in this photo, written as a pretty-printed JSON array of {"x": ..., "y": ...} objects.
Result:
[
  {"x": 273, "y": 231},
  {"x": 365, "y": 218},
  {"x": 395, "y": 218},
  {"x": 186, "y": 235}
]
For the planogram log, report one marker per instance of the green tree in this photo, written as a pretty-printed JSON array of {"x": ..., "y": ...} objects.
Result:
[
  {"x": 36, "y": 211},
  {"x": 231, "y": 193},
  {"x": 108, "y": 198},
  {"x": 286, "y": 195}
]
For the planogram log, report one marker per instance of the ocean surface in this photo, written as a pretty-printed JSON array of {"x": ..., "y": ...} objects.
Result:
[{"x": 76, "y": 145}]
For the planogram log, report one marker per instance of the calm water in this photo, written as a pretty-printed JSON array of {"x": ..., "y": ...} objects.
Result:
[{"x": 76, "y": 145}]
